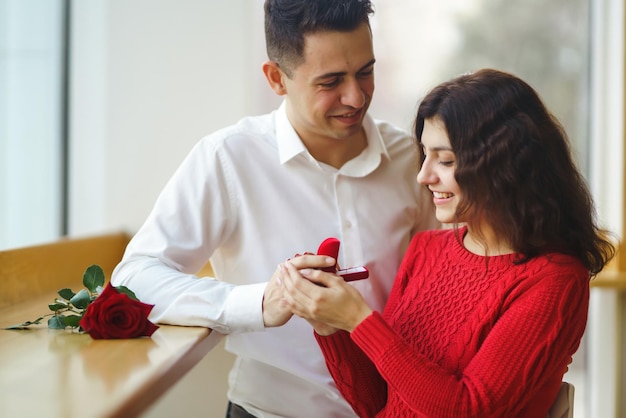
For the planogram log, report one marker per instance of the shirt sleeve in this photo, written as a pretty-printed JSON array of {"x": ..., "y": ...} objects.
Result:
[{"x": 190, "y": 218}]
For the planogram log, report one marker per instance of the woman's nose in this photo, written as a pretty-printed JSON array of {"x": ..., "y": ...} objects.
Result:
[{"x": 425, "y": 175}]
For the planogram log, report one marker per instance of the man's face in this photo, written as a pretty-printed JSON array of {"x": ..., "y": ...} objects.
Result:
[{"x": 329, "y": 93}]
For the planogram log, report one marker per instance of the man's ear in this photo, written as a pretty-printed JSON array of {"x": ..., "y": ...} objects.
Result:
[{"x": 274, "y": 76}]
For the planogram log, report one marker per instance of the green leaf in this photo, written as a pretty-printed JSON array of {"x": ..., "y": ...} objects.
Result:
[
  {"x": 26, "y": 324},
  {"x": 81, "y": 299},
  {"x": 127, "y": 292},
  {"x": 56, "y": 322},
  {"x": 66, "y": 293},
  {"x": 57, "y": 306},
  {"x": 93, "y": 277},
  {"x": 71, "y": 320}
]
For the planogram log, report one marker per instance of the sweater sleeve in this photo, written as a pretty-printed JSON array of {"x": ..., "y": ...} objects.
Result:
[
  {"x": 529, "y": 346},
  {"x": 358, "y": 380}
]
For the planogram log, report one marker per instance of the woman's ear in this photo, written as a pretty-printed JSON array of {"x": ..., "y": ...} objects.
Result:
[{"x": 274, "y": 76}]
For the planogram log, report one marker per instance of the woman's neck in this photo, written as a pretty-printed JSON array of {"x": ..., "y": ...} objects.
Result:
[{"x": 487, "y": 244}]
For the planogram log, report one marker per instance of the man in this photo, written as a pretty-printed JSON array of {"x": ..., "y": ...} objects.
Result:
[{"x": 252, "y": 195}]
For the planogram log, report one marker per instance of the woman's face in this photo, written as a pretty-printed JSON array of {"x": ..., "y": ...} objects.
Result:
[{"x": 437, "y": 172}]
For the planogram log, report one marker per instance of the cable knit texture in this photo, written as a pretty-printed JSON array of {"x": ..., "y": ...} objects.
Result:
[{"x": 464, "y": 335}]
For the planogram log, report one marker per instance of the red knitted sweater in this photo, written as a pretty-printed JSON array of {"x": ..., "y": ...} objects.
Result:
[{"x": 463, "y": 336}]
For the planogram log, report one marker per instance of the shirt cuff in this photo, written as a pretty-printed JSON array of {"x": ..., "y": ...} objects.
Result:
[{"x": 244, "y": 308}]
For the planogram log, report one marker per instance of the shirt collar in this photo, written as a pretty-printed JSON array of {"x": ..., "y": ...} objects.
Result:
[
  {"x": 290, "y": 145},
  {"x": 288, "y": 141}
]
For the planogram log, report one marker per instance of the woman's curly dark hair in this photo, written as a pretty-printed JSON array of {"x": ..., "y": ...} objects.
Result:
[{"x": 514, "y": 166}]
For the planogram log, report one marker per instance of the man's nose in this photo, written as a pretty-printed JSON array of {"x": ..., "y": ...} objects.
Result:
[{"x": 352, "y": 94}]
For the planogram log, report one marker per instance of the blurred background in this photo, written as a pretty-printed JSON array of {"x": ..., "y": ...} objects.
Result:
[{"x": 100, "y": 101}]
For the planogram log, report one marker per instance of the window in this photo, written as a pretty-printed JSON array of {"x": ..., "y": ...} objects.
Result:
[
  {"x": 419, "y": 43},
  {"x": 31, "y": 121}
]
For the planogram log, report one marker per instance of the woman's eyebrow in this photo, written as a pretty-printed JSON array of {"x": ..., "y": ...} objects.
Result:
[{"x": 439, "y": 148}]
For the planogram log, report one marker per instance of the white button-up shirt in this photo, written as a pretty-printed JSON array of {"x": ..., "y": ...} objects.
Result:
[{"x": 249, "y": 197}]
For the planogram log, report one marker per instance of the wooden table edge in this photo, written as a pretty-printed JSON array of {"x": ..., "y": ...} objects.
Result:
[{"x": 140, "y": 400}]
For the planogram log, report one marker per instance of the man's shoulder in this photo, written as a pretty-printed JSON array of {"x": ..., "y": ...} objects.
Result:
[
  {"x": 251, "y": 125},
  {"x": 384, "y": 126},
  {"x": 389, "y": 130},
  {"x": 249, "y": 128},
  {"x": 392, "y": 135}
]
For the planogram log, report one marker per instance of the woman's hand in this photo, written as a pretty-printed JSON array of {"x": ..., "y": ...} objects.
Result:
[
  {"x": 276, "y": 312},
  {"x": 323, "y": 299},
  {"x": 321, "y": 328}
]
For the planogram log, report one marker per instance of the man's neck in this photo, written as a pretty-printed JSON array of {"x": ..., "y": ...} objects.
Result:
[{"x": 336, "y": 153}]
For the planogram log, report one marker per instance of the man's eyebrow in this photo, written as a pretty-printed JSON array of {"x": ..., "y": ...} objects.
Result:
[
  {"x": 369, "y": 64},
  {"x": 342, "y": 73}
]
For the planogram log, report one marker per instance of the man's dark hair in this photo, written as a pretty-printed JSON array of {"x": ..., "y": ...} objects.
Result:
[{"x": 288, "y": 21}]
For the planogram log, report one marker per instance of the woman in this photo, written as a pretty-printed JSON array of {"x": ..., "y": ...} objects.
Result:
[{"x": 484, "y": 317}]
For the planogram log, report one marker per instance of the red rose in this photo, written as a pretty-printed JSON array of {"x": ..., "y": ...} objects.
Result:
[{"x": 115, "y": 315}]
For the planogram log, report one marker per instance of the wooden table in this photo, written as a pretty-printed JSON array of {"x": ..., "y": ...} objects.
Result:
[{"x": 59, "y": 373}]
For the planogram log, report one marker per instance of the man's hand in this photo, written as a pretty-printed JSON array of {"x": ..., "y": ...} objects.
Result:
[{"x": 276, "y": 310}]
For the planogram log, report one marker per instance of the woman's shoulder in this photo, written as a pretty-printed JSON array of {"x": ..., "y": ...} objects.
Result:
[
  {"x": 556, "y": 261},
  {"x": 558, "y": 265},
  {"x": 554, "y": 275}
]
